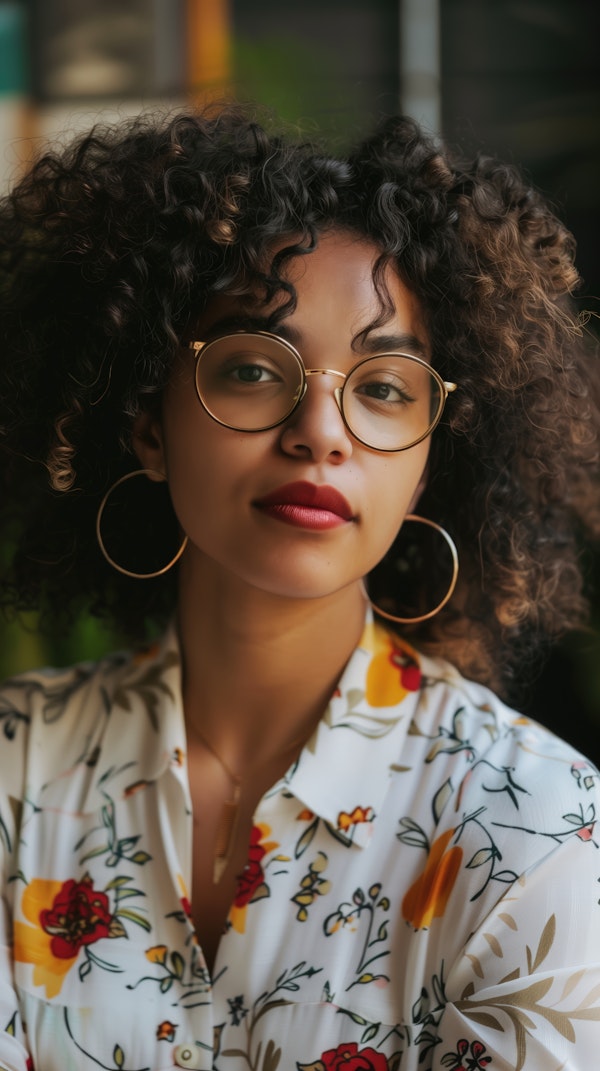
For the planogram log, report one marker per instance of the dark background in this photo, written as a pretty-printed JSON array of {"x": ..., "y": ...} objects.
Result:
[{"x": 517, "y": 79}]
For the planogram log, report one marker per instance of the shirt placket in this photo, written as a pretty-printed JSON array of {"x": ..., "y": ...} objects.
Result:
[{"x": 194, "y": 1049}]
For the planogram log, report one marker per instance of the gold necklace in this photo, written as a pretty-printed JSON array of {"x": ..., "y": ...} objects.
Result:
[{"x": 230, "y": 811}]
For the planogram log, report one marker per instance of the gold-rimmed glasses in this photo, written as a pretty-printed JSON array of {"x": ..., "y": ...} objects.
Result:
[{"x": 254, "y": 380}]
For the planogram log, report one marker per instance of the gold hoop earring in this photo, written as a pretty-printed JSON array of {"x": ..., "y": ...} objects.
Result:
[
  {"x": 423, "y": 617},
  {"x": 111, "y": 561}
]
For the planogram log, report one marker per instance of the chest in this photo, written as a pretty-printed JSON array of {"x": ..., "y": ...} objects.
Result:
[
  {"x": 223, "y": 840},
  {"x": 310, "y": 929},
  {"x": 317, "y": 949}
]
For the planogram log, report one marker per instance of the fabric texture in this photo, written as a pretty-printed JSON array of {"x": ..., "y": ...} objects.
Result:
[{"x": 422, "y": 887}]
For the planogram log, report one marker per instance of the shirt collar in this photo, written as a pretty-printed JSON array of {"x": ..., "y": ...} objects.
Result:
[{"x": 343, "y": 772}]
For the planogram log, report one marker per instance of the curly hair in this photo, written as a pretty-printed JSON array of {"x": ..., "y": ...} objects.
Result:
[{"x": 112, "y": 248}]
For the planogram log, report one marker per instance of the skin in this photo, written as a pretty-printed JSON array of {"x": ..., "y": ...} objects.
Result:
[{"x": 260, "y": 600}]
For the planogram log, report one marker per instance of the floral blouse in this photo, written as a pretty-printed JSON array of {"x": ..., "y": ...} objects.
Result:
[{"x": 421, "y": 892}]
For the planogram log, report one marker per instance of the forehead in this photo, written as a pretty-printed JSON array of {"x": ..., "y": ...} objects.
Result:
[{"x": 334, "y": 287}]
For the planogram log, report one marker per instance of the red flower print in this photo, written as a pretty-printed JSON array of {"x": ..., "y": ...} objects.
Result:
[
  {"x": 251, "y": 885},
  {"x": 393, "y": 671},
  {"x": 349, "y": 1058},
  {"x": 410, "y": 673},
  {"x": 478, "y": 1060},
  {"x": 184, "y": 899},
  {"x": 252, "y": 875},
  {"x": 461, "y": 1061},
  {"x": 79, "y": 916}
]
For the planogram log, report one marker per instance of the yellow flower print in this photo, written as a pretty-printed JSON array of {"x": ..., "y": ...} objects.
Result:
[
  {"x": 66, "y": 917},
  {"x": 32, "y": 943},
  {"x": 393, "y": 671},
  {"x": 184, "y": 899},
  {"x": 312, "y": 886},
  {"x": 359, "y": 814},
  {"x": 428, "y": 896},
  {"x": 157, "y": 954}
]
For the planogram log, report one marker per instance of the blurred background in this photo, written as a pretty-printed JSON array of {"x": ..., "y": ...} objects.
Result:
[{"x": 515, "y": 78}]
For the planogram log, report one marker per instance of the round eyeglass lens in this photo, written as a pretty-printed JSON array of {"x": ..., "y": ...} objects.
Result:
[
  {"x": 249, "y": 381},
  {"x": 392, "y": 401}
]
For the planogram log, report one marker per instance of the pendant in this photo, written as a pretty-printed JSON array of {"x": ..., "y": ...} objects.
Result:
[{"x": 226, "y": 834}]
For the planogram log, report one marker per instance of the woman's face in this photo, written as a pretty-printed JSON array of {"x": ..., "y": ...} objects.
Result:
[{"x": 248, "y": 501}]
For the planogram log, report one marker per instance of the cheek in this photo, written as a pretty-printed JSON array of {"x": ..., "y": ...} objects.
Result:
[
  {"x": 191, "y": 457},
  {"x": 195, "y": 469},
  {"x": 209, "y": 470},
  {"x": 396, "y": 489},
  {"x": 203, "y": 500}
]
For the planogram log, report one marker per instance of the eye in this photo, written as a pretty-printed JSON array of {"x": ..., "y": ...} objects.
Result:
[
  {"x": 384, "y": 387},
  {"x": 248, "y": 369},
  {"x": 252, "y": 373}
]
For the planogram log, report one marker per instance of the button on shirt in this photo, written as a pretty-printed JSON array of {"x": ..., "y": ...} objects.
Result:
[
  {"x": 192, "y": 1057},
  {"x": 421, "y": 890}
]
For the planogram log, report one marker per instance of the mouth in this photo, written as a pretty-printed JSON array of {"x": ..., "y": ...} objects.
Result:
[{"x": 307, "y": 505}]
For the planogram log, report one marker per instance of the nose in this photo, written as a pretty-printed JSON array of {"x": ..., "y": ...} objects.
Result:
[{"x": 316, "y": 429}]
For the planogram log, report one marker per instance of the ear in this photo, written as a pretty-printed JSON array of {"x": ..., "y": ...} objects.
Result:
[{"x": 147, "y": 442}]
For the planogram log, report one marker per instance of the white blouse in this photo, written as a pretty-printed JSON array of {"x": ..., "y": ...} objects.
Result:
[{"x": 422, "y": 887}]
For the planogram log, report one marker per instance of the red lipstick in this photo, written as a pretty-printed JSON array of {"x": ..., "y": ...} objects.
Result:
[{"x": 306, "y": 505}]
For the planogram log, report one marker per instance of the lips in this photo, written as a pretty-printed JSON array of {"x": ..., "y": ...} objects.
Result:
[{"x": 307, "y": 505}]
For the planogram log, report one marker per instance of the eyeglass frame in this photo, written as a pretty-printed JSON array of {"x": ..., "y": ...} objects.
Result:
[{"x": 446, "y": 387}]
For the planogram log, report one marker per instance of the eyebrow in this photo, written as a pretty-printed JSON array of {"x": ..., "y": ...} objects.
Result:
[
  {"x": 369, "y": 343},
  {"x": 364, "y": 343},
  {"x": 239, "y": 322}
]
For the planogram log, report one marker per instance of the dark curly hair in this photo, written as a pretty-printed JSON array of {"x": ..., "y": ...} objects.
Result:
[{"x": 112, "y": 248}]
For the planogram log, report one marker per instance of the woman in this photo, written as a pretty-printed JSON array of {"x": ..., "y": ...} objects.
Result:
[{"x": 279, "y": 837}]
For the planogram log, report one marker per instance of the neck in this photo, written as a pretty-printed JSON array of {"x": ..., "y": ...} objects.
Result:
[{"x": 259, "y": 669}]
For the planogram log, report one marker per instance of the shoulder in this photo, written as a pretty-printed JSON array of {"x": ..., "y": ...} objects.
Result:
[
  {"x": 452, "y": 719},
  {"x": 52, "y": 719},
  {"x": 492, "y": 761},
  {"x": 49, "y": 710},
  {"x": 465, "y": 709},
  {"x": 455, "y": 713}
]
